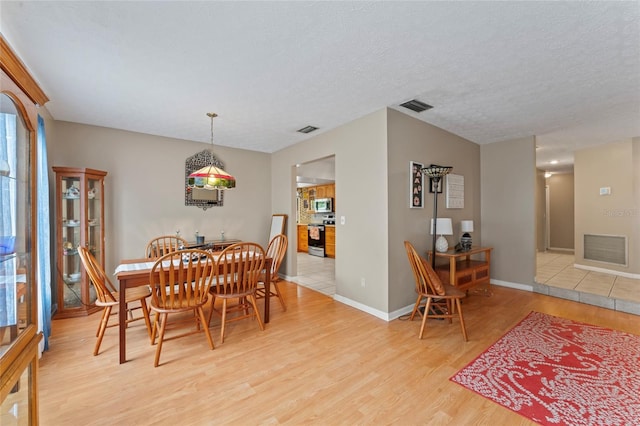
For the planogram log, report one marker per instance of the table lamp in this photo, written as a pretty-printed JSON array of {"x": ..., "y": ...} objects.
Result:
[
  {"x": 443, "y": 227},
  {"x": 466, "y": 226}
]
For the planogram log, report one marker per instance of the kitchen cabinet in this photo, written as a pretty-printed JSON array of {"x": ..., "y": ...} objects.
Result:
[
  {"x": 303, "y": 242},
  {"x": 325, "y": 191},
  {"x": 79, "y": 222},
  {"x": 330, "y": 241},
  {"x": 19, "y": 335}
]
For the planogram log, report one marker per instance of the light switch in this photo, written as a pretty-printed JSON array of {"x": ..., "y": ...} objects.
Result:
[
  {"x": 605, "y": 191},
  {"x": 343, "y": 220}
]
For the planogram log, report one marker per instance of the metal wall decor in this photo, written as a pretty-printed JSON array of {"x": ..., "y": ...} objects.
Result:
[{"x": 202, "y": 198}]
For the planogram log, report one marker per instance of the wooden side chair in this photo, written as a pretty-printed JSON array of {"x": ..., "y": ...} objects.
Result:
[
  {"x": 160, "y": 246},
  {"x": 238, "y": 268},
  {"x": 180, "y": 283},
  {"x": 439, "y": 300},
  {"x": 276, "y": 250},
  {"x": 107, "y": 296}
]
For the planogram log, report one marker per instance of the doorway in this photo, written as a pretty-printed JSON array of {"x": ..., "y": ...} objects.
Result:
[{"x": 314, "y": 272}]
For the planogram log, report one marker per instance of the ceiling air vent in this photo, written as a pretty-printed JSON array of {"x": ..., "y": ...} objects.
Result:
[
  {"x": 416, "y": 105},
  {"x": 307, "y": 129}
]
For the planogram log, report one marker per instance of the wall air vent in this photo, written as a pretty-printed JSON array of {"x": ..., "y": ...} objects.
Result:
[
  {"x": 606, "y": 248},
  {"x": 307, "y": 129},
  {"x": 416, "y": 105}
]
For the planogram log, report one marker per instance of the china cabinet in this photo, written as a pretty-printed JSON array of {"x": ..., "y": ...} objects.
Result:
[
  {"x": 19, "y": 336},
  {"x": 79, "y": 221}
]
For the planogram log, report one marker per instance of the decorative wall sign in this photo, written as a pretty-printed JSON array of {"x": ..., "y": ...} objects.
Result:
[
  {"x": 455, "y": 191},
  {"x": 416, "y": 185},
  {"x": 203, "y": 198}
]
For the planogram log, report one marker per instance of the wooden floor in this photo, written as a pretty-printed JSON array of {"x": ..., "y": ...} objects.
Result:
[{"x": 320, "y": 362}]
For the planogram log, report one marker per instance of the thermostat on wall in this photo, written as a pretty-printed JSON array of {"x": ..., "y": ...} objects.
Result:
[{"x": 605, "y": 191}]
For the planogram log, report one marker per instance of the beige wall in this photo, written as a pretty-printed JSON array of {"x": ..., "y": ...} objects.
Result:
[
  {"x": 410, "y": 139},
  {"x": 145, "y": 192},
  {"x": 615, "y": 165},
  {"x": 508, "y": 184},
  {"x": 561, "y": 216},
  {"x": 361, "y": 188},
  {"x": 372, "y": 154}
]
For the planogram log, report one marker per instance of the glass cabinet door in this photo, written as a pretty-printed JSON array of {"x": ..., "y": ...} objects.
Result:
[
  {"x": 71, "y": 238},
  {"x": 80, "y": 222},
  {"x": 15, "y": 232}
]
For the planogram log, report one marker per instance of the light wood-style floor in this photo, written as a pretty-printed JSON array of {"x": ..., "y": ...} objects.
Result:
[{"x": 320, "y": 362}]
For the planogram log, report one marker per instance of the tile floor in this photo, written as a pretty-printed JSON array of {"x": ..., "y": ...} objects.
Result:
[
  {"x": 316, "y": 273},
  {"x": 556, "y": 270},
  {"x": 553, "y": 269}
]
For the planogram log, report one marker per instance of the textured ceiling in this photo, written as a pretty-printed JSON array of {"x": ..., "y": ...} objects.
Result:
[{"x": 567, "y": 72}]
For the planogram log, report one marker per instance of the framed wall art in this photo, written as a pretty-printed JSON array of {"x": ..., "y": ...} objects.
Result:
[
  {"x": 455, "y": 191},
  {"x": 416, "y": 185}
]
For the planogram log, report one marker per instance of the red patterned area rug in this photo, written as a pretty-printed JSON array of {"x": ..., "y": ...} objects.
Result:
[{"x": 555, "y": 371}]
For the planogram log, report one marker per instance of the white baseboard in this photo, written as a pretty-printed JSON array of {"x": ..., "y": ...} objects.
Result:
[
  {"x": 517, "y": 286},
  {"x": 387, "y": 316},
  {"x": 607, "y": 271}
]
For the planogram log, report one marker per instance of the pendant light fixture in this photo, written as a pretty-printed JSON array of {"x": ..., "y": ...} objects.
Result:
[{"x": 211, "y": 177}]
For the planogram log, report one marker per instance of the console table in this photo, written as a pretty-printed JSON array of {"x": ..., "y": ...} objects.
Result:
[{"x": 461, "y": 270}]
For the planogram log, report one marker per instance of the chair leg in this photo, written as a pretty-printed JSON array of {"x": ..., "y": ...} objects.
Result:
[
  {"x": 213, "y": 301},
  {"x": 154, "y": 332},
  {"x": 206, "y": 329},
  {"x": 416, "y": 308},
  {"x": 450, "y": 310},
  {"x": 280, "y": 295},
  {"x": 253, "y": 301},
  {"x": 145, "y": 313},
  {"x": 464, "y": 330},
  {"x": 424, "y": 317},
  {"x": 106, "y": 312},
  {"x": 224, "y": 319},
  {"x": 163, "y": 324}
]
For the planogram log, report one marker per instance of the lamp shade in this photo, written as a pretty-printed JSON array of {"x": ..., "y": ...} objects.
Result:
[
  {"x": 466, "y": 226},
  {"x": 443, "y": 226},
  {"x": 212, "y": 177}
]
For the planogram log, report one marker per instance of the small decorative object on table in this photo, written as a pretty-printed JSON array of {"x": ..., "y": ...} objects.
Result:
[
  {"x": 199, "y": 238},
  {"x": 222, "y": 235},
  {"x": 466, "y": 226}
]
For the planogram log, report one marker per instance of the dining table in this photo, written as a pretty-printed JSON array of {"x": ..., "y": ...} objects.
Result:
[{"x": 135, "y": 272}]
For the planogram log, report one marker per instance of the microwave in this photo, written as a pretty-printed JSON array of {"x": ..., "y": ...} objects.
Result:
[{"x": 323, "y": 205}]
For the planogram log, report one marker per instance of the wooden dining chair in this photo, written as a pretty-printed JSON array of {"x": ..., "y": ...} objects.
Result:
[
  {"x": 160, "y": 246},
  {"x": 180, "y": 283},
  {"x": 439, "y": 300},
  {"x": 276, "y": 250},
  {"x": 238, "y": 268},
  {"x": 107, "y": 296}
]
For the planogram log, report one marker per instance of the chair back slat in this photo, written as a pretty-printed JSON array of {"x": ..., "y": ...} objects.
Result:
[
  {"x": 181, "y": 279},
  {"x": 104, "y": 287},
  {"x": 165, "y": 244},
  {"x": 276, "y": 250},
  {"x": 427, "y": 281},
  {"x": 238, "y": 268}
]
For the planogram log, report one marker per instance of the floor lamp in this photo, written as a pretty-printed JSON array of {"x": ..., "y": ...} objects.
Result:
[{"x": 435, "y": 173}]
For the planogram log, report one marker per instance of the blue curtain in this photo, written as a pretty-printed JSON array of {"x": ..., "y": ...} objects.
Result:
[{"x": 44, "y": 244}]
